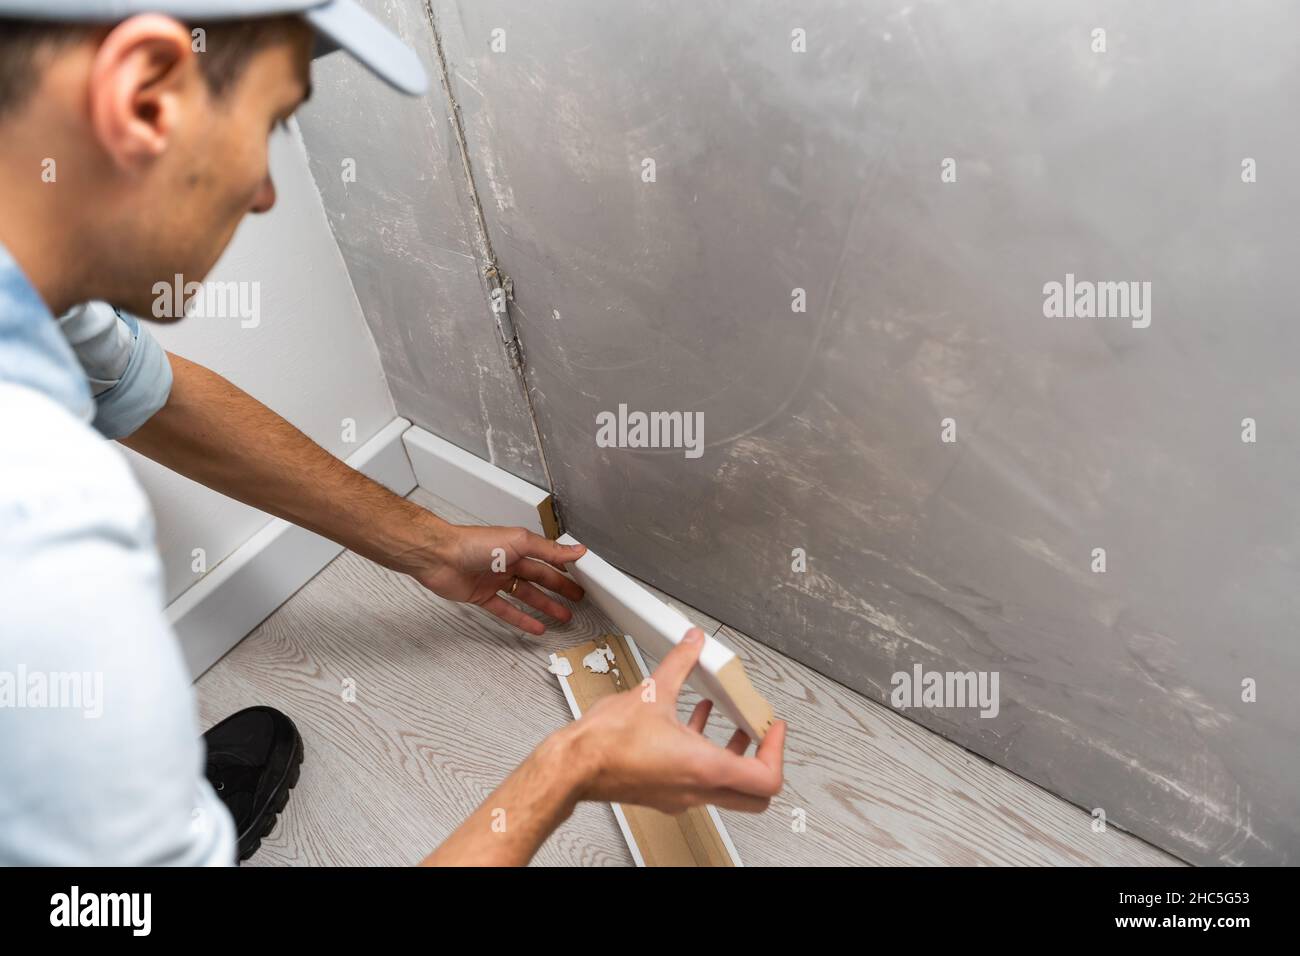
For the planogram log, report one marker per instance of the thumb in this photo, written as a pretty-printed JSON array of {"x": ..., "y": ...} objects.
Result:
[
  {"x": 552, "y": 552},
  {"x": 677, "y": 665}
]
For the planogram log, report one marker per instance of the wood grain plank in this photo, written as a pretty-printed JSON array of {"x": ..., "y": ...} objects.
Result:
[
  {"x": 875, "y": 787},
  {"x": 388, "y": 775}
]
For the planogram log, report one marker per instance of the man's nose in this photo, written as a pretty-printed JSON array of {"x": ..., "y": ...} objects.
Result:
[{"x": 265, "y": 197}]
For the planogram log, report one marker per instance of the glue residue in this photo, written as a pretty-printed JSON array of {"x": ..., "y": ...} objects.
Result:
[{"x": 598, "y": 661}]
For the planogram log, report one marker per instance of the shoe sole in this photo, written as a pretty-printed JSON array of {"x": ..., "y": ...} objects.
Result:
[{"x": 266, "y": 821}]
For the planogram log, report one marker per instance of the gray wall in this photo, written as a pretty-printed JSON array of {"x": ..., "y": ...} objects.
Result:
[
  {"x": 1120, "y": 691},
  {"x": 407, "y": 232}
]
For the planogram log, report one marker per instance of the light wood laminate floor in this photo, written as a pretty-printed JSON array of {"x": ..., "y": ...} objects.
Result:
[{"x": 448, "y": 700}]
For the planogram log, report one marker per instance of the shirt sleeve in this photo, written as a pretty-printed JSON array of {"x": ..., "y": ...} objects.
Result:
[{"x": 128, "y": 371}]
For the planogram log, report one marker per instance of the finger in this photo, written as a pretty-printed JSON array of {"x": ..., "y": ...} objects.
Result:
[
  {"x": 738, "y": 743},
  {"x": 760, "y": 775},
  {"x": 534, "y": 597},
  {"x": 700, "y": 716},
  {"x": 771, "y": 751},
  {"x": 512, "y": 615},
  {"x": 770, "y": 757},
  {"x": 544, "y": 549},
  {"x": 677, "y": 665},
  {"x": 549, "y": 578}
]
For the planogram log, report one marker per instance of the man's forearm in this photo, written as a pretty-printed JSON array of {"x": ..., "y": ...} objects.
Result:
[
  {"x": 513, "y": 823},
  {"x": 222, "y": 437}
]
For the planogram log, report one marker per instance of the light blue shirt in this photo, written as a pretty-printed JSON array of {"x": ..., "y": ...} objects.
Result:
[
  {"x": 101, "y": 761},
  {"x": 125, "y": 367}
]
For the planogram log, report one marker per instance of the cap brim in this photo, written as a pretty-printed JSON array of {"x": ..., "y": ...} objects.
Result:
[{"x": 344, "y": 25}]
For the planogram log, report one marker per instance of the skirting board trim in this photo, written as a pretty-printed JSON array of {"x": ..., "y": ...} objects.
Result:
[
  {"x": 496, "y": 496},
  {"x": 477, "y": 486},
  {"x": 720, "y": 675},
  {"x": 266, "y": 570},
  {"x": 694, "y": 838}
]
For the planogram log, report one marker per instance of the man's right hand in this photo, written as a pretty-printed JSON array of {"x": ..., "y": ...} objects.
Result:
[{"x": 631, "y": 748}]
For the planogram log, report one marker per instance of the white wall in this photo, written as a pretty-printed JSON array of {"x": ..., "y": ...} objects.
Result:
[{"x": 311, "y": 358}]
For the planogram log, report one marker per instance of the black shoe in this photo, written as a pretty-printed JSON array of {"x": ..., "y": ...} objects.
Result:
[{"x": 254, "y": 758}]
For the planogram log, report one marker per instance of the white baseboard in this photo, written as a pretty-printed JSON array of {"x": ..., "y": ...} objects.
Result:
[
  {"x": 720, "y": 675},
  {"x": 476, "y": 486},
  {"x": 498, "y": 497},
  {"x": 243, "y": 590}
]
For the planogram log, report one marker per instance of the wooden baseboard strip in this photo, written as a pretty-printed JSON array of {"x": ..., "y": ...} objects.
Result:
[
  {"x": 477, "y": 486},
  {"x": 720, "y": 675},
  {"x": 694, "y": 838}
]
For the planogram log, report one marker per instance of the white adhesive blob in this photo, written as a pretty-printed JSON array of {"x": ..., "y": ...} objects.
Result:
[
  {"x": 598, "y": 660},
  {"x": 560, "y": 666}
]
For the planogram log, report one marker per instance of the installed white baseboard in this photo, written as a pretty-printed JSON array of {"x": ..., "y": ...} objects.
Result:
[
  {"x": 476, "y": 486},
  {"x": 239, "y": 593}
]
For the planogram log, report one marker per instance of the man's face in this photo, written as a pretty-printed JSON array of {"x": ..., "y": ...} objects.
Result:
[{"x": 214, "y": 171}]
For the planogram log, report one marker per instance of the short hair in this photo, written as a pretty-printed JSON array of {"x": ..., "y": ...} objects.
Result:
[{"x": 27, "y": 45}]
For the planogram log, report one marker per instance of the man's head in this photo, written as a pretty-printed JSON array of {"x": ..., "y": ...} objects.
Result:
[{"x": 130, "y": 151}]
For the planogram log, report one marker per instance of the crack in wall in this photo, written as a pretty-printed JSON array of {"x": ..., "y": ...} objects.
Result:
[{"x": 499, "y": 283}]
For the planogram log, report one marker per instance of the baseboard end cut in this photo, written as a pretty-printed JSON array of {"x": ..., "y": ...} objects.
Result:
[{"x": 546, "y": 513}]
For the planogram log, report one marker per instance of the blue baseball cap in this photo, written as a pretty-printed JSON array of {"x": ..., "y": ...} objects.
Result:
[{"x": 339, "y": 25}]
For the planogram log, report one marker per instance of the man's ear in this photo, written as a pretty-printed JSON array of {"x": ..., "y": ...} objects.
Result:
[{"x": 143, "y": 78}]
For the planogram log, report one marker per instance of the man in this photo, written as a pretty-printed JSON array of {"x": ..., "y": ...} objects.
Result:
[{"x": 160, "y": 151}]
